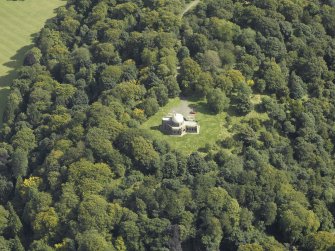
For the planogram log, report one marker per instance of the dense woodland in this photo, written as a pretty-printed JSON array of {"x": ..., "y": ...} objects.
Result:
[{"x": 77, "y": 173}]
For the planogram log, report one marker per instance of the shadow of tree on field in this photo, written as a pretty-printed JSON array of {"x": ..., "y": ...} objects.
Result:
[
  {"x": 156, "y": 128},
  {"x": 201, "y": 107},
  {"x": 14, "y": 63}
]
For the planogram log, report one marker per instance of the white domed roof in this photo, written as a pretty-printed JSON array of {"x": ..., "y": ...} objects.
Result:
[{"x": 178, "y": 118}]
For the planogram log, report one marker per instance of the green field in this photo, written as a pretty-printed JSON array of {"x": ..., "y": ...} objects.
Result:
[
  {"x": 211, "y": 127},
  {"x": 19, "y": 22}
]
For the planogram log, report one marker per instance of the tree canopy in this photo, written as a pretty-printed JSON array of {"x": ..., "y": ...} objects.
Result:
[{"x": 78, "y": 173}]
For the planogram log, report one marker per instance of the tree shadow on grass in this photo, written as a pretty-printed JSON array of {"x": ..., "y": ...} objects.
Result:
[
  {"x": 191, "y": 98},
  {"x": 14, "y": 63},
  {"x": 201, "y": 107},
  {"x": 232, "y": 112},
  {"x": 155, "y": 128}
]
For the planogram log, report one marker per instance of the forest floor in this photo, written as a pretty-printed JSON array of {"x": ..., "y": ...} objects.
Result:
[
  {"x": 190, "y": 6},
  {"x": 20, "y": 21}
]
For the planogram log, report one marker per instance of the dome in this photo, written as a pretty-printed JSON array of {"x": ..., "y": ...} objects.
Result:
[{"x": 178, "y": 118}]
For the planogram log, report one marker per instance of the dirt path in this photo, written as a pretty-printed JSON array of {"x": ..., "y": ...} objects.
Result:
[
  {"x": 183, "y": 108},
  {"x": 190, "y": 6}
]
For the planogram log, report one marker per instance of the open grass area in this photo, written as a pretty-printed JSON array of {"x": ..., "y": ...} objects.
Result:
[
  {"x": 212, "y": 127},
  {"x": 19, "y": 21}
]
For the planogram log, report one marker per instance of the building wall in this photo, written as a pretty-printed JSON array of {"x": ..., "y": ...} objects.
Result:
[{"x": 181, "y": 130}]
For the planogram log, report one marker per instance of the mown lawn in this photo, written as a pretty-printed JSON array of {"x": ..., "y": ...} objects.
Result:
[
  {"x": 212, "y": 127},
  {"x": 19, "y": 21}
]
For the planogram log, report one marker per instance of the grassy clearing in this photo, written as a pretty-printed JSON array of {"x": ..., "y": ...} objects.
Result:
[
  {"x": 212, "y": 127},
  {"x": 19, "y": 21}
]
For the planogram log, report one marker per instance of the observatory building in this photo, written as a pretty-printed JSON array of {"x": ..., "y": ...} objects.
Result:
[{"x": 175, "y": 124}]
